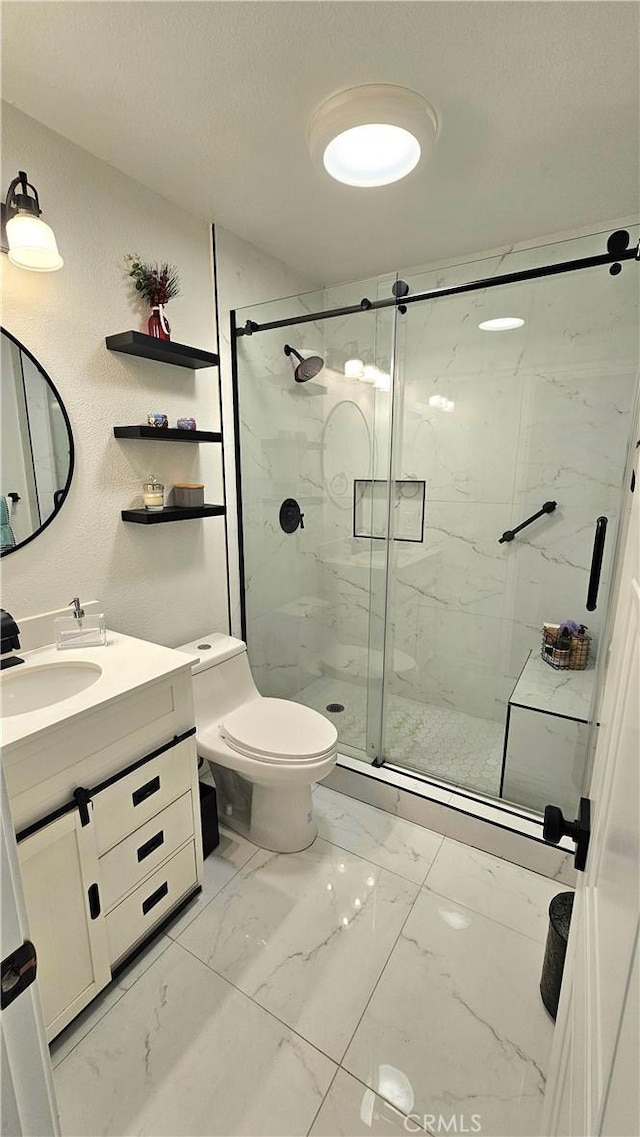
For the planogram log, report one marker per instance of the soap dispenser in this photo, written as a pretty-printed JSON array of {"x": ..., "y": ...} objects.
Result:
[{"x": 80, "y": 630}]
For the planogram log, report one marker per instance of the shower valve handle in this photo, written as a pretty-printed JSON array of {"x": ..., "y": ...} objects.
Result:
[{"x": 302, "y": 520}]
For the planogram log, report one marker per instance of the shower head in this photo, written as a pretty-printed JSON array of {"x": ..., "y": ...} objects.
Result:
[{"x": 306, "y": 368}]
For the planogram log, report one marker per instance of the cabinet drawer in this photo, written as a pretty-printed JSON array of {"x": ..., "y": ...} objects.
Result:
[
  {"x": 134, "y": 917},
  {"x": 131, "y": 801},
  {"x": 139, "y": 854}
]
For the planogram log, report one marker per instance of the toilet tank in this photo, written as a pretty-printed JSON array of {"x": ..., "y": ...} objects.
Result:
[{"x": 222, "y": 678}]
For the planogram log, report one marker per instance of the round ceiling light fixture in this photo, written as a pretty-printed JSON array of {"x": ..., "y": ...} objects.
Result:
[
  {"x": 501, "y": 324},
  {"x": 372, "y": 135}
]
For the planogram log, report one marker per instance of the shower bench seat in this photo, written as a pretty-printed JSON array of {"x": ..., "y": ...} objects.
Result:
[{"x": 546, "y": 736}]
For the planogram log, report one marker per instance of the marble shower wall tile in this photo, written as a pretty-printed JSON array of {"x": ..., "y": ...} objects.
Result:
[
  {"x": 469, "y": 454},
  {"x": 546, "y": 760},
  {"x": 458, "y": 657}
]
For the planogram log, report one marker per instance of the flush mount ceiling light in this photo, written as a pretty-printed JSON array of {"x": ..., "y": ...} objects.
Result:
[
  {"x": 30, "y": 242},
  {"x": 501, "y": 324},
  {"x": 372, "y": 135}
]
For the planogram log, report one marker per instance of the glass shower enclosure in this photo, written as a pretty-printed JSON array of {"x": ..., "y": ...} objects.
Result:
[{"x": 408, "y": 605}]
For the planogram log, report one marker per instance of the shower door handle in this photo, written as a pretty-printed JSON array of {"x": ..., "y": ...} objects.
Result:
[
  {"x": 596, "y": 564},
  {"x": 555, "y": 827}
]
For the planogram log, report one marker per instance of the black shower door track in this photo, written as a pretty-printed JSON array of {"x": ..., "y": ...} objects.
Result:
[{"x": 617, "y": 252}]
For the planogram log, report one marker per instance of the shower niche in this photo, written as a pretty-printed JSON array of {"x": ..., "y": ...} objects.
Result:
[{"x": 372, "y": 503}]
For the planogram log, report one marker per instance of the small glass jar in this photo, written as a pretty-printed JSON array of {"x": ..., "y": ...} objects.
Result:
[{"x": 153, "y": 494}]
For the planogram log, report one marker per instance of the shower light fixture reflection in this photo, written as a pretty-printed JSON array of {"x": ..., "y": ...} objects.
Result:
[
  {"x": 441, "y": 403},
  {"x": 383, "y": 381},
  {"x": 353, "y": 369},
  {"x": 501, "y": 324},
  {"x": 455, "y": 918}
]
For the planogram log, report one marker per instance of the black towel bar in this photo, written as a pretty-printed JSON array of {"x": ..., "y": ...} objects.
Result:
[{"x": 509, "y": 534}]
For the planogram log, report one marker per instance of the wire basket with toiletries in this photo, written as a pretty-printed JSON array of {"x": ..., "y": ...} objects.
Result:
[{"x": 565, "y": 646}]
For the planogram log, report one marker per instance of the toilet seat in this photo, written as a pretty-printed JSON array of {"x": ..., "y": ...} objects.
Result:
[{"x": 278, "y": 731}]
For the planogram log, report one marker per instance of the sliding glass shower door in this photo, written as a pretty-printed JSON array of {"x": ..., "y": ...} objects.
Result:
[
  {"x": 379, "y": 586},
  {"x": 489, "y": 426},
  {"x": 315, "y": 589}
]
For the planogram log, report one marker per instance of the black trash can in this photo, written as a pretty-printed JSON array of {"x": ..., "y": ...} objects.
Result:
[
  {"x": 209, "y": 818},
  {"x": 560, "y": 910}
]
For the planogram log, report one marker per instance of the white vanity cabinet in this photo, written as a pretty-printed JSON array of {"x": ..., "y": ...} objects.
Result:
[
  {"x": 102, "y": 875},
  {"x": 59, "y": 867},
  {"x": 105, "y": 801}
]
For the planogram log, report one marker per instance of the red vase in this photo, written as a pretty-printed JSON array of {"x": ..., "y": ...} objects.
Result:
[{"x": 159, "y": 325}]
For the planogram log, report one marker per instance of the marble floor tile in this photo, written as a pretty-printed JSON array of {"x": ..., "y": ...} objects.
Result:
[
  {"x": 457, "y": 1017},
  {"x": 98, "y": 1008},
  {"x": 377, "y": 836},
  {"x": 306, "y": 935},
  {"x": 352, "y": 1109},
  {"x": 218, "y": 869},
  {"x": 505, "y": 892},
  {"x": 183, "y": 1052}
]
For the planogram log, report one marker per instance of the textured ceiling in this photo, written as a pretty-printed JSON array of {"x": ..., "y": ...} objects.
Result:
[{"x": 208, "y": 104}]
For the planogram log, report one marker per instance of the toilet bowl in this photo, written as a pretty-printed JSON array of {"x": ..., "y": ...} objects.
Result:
[{"x": 265, "y": 754}]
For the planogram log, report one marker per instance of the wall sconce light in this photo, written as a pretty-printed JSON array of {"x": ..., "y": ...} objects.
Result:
[{"x": 30, "y": 242}]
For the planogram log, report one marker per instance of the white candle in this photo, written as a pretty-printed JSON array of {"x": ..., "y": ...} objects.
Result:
[{"x": 153, "y": 494}]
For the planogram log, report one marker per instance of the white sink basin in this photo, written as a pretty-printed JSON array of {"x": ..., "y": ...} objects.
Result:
[{"x": 25, "y": 688}]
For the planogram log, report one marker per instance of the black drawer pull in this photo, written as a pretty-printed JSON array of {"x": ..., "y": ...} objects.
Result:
[
  {"x": 155, "y": 898},
  {"x": 149, "y": 846},
  {"x": 94, "y": 901},
  {"x": 146, "y": 791}
]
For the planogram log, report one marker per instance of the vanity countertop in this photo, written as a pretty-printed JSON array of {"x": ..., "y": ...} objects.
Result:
[
  {"x": 559, "y": 692},
  {"x": 126, "y": 663}
]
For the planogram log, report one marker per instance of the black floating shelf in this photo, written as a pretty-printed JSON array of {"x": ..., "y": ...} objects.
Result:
[
  {"x": 171, "y": 513},
  {"x": 167, "y": 434},
  {"x": 163, "y": 351}
]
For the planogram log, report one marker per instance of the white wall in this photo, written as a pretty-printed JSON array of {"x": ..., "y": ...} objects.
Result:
[{"x": 165, "y": 583}]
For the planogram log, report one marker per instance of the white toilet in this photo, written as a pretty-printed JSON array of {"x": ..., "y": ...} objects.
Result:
[{"x": 265, "y": 754}]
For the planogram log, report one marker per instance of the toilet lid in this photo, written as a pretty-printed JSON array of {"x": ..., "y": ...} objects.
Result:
[{"x": 278, "y": 729}]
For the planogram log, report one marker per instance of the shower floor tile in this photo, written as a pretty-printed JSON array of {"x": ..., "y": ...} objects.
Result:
[
  {"x": 450, "y": 745},
  {"x": 241, "y": 1026}
]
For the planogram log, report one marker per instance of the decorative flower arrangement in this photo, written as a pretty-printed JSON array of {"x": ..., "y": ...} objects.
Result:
[{"x": 156, "y": 284}]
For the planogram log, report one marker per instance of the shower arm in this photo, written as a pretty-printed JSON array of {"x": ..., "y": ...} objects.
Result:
[{"x": 509, "y": 534}]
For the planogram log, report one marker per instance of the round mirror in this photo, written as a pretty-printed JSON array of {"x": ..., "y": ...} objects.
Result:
[{"x": 36, "y": 448}]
